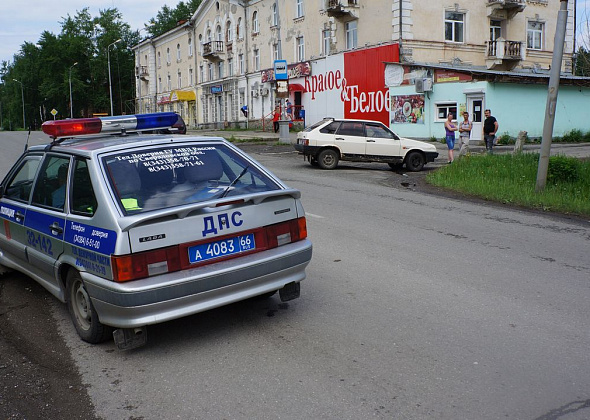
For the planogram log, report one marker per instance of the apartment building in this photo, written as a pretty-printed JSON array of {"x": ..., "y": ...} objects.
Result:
[{"x": 337, "y": 51}]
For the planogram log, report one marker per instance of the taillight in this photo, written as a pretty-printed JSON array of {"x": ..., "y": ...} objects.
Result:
[
  {"x": 145, "y": 264},
  {"x": 286, "y": 233}
]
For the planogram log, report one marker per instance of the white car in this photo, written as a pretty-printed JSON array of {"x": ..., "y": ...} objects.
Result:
[{"x": 331, "y": 140}]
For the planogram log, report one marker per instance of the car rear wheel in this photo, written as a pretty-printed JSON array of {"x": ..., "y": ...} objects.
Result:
[
  {"x": 82, "y": 311},
  {"x": 414, "y": 161},
  {"x": 328, "y": 159}
]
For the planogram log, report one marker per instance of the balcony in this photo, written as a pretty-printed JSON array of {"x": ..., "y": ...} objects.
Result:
[
  {"x": 505, "y": 8},
  {"x": 343, "y": 9},
  {"x": 213, "y": 50},
  {"x": 142, "y": 72},
  {"x": 503, "y": 55}
]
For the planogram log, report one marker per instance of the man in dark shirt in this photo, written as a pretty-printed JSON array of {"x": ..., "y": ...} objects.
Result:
[{"x": 490, "y": 128}]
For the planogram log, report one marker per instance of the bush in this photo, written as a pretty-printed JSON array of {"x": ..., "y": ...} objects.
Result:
[
  {"x": 505, "y": 139},
  {"x": 573, "y": 136},
  {"x": 563, "y": 169}
]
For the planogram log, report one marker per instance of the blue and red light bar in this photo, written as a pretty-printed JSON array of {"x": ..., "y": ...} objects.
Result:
[{"x": 120, "y": 123}]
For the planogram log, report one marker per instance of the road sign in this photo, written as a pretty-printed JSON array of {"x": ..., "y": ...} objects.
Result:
[{"x": 281, "y": 70}]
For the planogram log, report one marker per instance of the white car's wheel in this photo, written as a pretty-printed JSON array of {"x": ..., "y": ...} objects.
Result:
[{"x": 328, "y": 159}]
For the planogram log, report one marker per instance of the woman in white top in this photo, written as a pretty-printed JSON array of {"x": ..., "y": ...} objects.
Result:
[{"x": 464, "y": 133}]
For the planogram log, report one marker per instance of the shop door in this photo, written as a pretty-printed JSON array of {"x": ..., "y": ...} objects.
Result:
[{"x": 475, "y": 108}]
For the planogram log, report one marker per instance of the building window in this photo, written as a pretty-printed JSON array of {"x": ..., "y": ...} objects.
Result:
[
  {"x": 495, "y": 29},
  {"x": 177, "y": 52},
  {"x": 169, "y": 83},
  {"x": 275, "y": 15},
  {"x": 201, "y": 73},
  {"x": 191, "y": 80},
  {"x": 159, "y": 60},
  {"x": 239, "y": 29},
  {"x": 209, "y": 35},
  {"x": 299, "y": 8},
  {"x": 159, "y": 87},
  {"x": 454, "y": 26},
  {"x": 220, "y": 70},
  {"x": 210, "y": 70},
  {"x": 351, "y": 40},
  {"x": 256, "y": 59},
  {"x": 255, "y": 27},
  {"x": 190, "y": 47},
  {"x": 534, "y": 35},
  {"x": 218, "y": 36},
  {"x": 241, "y": 63},
  {"x": 326, "y": 42},
  {"x": 230, "y": 67},
  {"x": 275, "y": 51},
  {"x": 168, "y": 55},
  {"x": 179, "y": 81},
  {"x": 443, "y": 109},
  {"x": 229, "y": 36},
  {"x": 300, "y": 48}
]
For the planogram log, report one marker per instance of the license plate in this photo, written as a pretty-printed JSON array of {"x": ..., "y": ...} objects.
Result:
[{"x": 217, "y": 249}]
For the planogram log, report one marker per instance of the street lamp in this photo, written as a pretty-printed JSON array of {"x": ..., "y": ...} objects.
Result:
[
  {"x": 109, "y": 63},
  {"x": 70, "y": 79},
  {"x": 22, "y": 91}
]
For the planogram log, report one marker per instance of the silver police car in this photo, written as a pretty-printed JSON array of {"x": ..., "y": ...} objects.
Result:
[{"x": 132, "y": 229}]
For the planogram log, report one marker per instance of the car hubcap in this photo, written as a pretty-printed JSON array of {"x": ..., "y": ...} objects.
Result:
[{"x": 82, "y": 306}]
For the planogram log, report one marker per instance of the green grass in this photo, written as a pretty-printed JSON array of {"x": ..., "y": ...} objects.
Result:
[{"x": 512, "y": 178}]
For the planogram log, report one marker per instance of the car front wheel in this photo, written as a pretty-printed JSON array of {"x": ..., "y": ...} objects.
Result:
[
  {"x": 82, "y": 311},
  {"x": 328, "y": 159},
  {"x": 414, "y": 161}
]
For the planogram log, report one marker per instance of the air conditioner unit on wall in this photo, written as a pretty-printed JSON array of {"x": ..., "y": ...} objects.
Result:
[
  {"x": 264, "y": 91},
  {"x": 423, "y": 85},
  {"x": 254, "y": 93}
]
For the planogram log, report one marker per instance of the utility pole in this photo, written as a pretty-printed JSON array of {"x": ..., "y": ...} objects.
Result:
[
  {"x": 70, "y": 80},
  {"x": 552, "y": 97},
  {"x": 109, "y": 64}
]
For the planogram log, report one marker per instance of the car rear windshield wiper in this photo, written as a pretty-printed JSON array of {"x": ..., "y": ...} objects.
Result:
[{"x": 226, "y": 191}]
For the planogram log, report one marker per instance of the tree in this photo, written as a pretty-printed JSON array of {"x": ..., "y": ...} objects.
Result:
[{"x": 168, "y": 18}]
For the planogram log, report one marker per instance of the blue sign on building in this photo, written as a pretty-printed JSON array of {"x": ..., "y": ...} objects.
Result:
[
  {"x": 217, "y": 89},
  {"x": 281, "y": 70}
]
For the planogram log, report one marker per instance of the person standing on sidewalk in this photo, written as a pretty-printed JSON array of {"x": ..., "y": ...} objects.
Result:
[
  {"x": 464, "y": 133},
  {"x": 450, "y": 129},
  {"x": 490, "y": 128},
  {"x": 275, "y": 118}
]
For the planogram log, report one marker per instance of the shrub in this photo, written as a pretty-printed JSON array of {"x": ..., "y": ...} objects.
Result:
[
  {"x": 505, "y": 139},
  {"x": 573, "y": 136},
  {"x": 563, "y": 169}
]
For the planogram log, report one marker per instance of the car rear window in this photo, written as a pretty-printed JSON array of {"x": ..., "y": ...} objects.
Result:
[{"x": 155, "y": 178}]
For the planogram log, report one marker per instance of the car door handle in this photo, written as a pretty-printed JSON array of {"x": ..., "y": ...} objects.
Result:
[
  {"x": 339, "y": 138},
  {"x": 19, "y": 216},
  {"x": 56, "y": 229},
  {"x": 370, "y": 141}
]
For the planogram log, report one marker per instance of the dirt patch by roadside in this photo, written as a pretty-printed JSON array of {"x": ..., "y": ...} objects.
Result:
[{"x": 38, "y": 378}]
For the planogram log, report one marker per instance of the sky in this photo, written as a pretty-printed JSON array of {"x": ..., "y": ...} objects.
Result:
[{"x": 25, "y": 20}]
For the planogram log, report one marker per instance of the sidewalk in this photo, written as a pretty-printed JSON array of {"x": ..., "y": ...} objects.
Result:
[{"x": 579, "y": 150}]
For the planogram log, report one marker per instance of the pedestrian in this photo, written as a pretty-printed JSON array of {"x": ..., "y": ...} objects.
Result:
[
  {"x": 244, "y": 110},
  {"x": 464, "y": 133},
  {"x": 276, "y": 116},
  {"x": 450, "y": 129},
  {"x": 289, "y": 108},
  {"x": 490, "y": 128}
]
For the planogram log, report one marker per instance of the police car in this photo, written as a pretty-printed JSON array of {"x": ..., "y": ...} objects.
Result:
[
  {"x": 331, "y": 140},
  {"x": 132, "y": 229}
]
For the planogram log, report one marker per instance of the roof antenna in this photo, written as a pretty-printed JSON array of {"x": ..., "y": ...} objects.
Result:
[{"x": 28, "y": 136}]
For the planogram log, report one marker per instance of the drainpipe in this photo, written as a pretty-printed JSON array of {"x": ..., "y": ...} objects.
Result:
[{"x": 401, "y": 21}]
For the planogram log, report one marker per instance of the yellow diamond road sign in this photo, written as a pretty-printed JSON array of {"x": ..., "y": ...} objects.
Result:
[{"x": 54, "y": 112}]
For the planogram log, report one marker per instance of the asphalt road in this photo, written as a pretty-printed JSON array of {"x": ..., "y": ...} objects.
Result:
[{"x": 415, "y": 306}]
